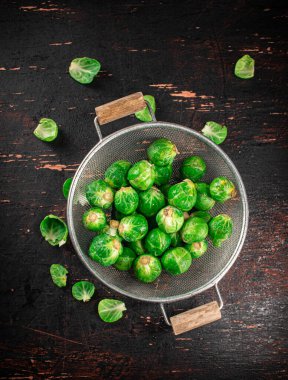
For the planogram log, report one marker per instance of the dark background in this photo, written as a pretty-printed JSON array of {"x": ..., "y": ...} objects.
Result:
[{"x": 183, "y": 53}]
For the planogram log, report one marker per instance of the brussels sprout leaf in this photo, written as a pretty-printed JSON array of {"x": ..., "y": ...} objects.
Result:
[
  {"x": 54, "y": 230},
  {"x": 83, "y": 291},
  {"x": 47, "y": 130},
  {"x": 215, "y": 132},
  {"x": 244, "y": 67},
  {"x": 144, "y": 115},
  {"x": 111, "y": 310},
  {"x": 66, "y": 187},
  {"x": 83, "y": 70},
  {"x": 59, "y": 275}
]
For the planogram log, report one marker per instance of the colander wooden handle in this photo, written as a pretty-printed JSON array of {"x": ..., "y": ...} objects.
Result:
[
  {"x": 194, "y": 318},
  {"x": 120, "y": 108}
]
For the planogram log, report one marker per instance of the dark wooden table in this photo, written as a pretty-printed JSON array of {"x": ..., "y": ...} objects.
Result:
[{"x": 183, "y": 53}]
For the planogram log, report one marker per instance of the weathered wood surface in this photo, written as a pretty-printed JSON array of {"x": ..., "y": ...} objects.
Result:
[{"x": 182, "y": 53}]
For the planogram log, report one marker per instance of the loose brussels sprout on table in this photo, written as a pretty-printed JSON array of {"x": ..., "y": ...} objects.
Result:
[
  {"x": 197, "y": 249},
  {"x": 125, "y": 260},
  {"x": 66, "y": 187},
  {"x": 83, "y": 291},
  {"x": 151, "y": 201},
  {"x": 94, "y": 219},
  {"x": 162, "y": 152},
  {"x": 182, "y": 195},
  {"x": 133, "y": 227},
  {"x": 54, "y": 230},
  {"x": 162, "y": 174},
  {"x": 141, "y": 175},
  {"x": 147, "y": 268},
  {"x": 110, "y": 310},
  {"x": 220, "y": 229},
  {"x": 83, "y": 70},
  {"x": 47, "y": 130},
  {"x": 157, "y": 241},
  {"x": 193, "y": 168},
  {"x": 215, "y": 132},
  {"x": 222, "y": 189},
  {"x": 244, "y": 67},
  {"x": 126, "y": 200},
  {"x": 170, "y": 219},
  {"x": 116, "y": 174},
  {"x": 59, "y": 275},
  {"x": 105, "y": 249},
  {"x": 203, "y": 200},
  {"x": 176, "y": 260},
  {"x": 144, "y": 115},
  {"x": 194, "y": 230},
  {"x": 99, "y": 194}
]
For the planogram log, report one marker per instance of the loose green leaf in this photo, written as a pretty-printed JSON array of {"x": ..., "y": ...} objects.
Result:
[
  {"x": 47, "y": 130},
  {"x": 111, "y": 310},
  {"x": 83, "y": 70},
  {"x": 83, "y": 291},
  {"x": 144, "y": 115},
  {"x": 215, "y": 132},
  {"x": 66, "y": 187},
  {"x": 244, "y": 67},
  {"x": 59, "y": 275},
  {"x": 54, "y": 230}
]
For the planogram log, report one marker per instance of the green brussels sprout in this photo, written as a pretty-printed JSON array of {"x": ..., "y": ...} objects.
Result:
[
  {"x": 83, "y": 291},
  {"x": 183, "y": 195},
  {"x": 110, "y": 310},
  {"x": 83, "y": 70},
  {"x": 112, "y": 229},
  {"x": 162, "y": 174},
  {"x": 244, "y": 67},
  {"x": 105, "y": 249},
  {"x": 133, "y": 227},
  {"x": 137, "y": 246},
  {"x": 147, "y": 268},
  {"x": 202, "y": 214},
  {"x": 46, "y": 130},
  {"x": 66, "y": 187},
  {"x": 193, "y": 168},
  {"x": 215, "y": 132},
  {"x": 170, "y": 219},
  {"x": 144, "y": 115},
  {"x": 94, "y": 219},
  {"x": 162, "y": 152},
  {"x": 222, "y": 189},
  {"x": 116, "y": 174},
  {"x": 176, "y": 240},
  {"x": 54, "y": 230},
  {"x": 151, "y": 201},
  {"x": 157, "y": 241},
  {"x": 176, "y": 260},
  {"x": 59, "y": 275},
  {"x": 141, "y": 175},
  {"x": 125, "y": 260},
  {"x": 99, "y": 194},
  {"x": 203, "y": 200},
  {"x": 194, "y": 230},
  {"x": 197, "y": 249},
  {"x": 220, "y": 229},
  {"x": 126, "y": 200},
  {"x": 165, "y": 189}
]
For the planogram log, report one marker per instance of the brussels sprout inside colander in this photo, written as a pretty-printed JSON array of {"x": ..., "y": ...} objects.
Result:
[
  {"x": 176, "y": 260},
  {"x": 163, "y": 174},
  {"x": 162, "y": 152},
  {"x": 99, "y": 194},
  {"x": 203, "y": 200},
  {"x": 220, "y": 229},
  {"x": 133, "y": 227},
  {"x": 194, "y": 230},
  {"x": 170, "y": 219},
  {"x": 151, "y": 201},
  {"x": 105, "y": 249},
  {"x": 126, "y": 200},
  {"x": 193, "y": 168},
  {"x": 125, "y": 260},
  {"x": 116, "y": 174},
  {"x": 182, "y": 195},
  {"x": 94, "y": 219},
  {"x": 141, "y": 175},
  {"x": 157, "y": 241},
  {"x": 197, "y": 249},
  {"x": 147, "y": 268},
  {"x": 222, "y": 189}
]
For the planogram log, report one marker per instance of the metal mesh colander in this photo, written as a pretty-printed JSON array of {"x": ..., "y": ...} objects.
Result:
[{"x": 130, "y": 144}]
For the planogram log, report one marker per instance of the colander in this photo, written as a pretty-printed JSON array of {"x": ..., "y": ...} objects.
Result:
[{"x": 130, "y": 144}]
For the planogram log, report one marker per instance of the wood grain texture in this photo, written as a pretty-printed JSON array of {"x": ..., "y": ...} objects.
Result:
[{"x": 183, "y": 56}]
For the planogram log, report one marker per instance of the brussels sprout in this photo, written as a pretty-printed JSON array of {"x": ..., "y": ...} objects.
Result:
[
  {"x": 182, "y": 195},
  {"x": 244, "y": 67},
  {"x": 220, "y": 229},
  {"x": 99, "y": 194},
  {"x": 83, "y": 70},
  {"x": 222, "y": 189},
  {"x": 157, "y": 241},
  {"x": 215, "y": 132},
  {"x": 162, "y": 174},
  {"x": 111, "y": 310},
  {"x": 151, "y": 201},
  {"x": 58, "y": 275},
  {"x": 176, "y": 240},
  {"x": 105, "y": 249},
  {"x": 125, "y": 260},
  {"x": 194, "y": 230},
  {"x": 162, "y": 152},
  {"x": 126, "y": 200},
  {"x": 144, "y": 115},
  {"x": 202, "y": 214},
  {"x": 147, "y": 268},
  {"x": 133, "y": 227},
  {"x": 116, "y": 174},
  {"x": 66, "y": 187},
  {"x": 193, "y": 168},
  {"x": 141, "y": 175},
  {"x": 137, "y": 246},
  {"x": 112, "y": 229},
  {"x": 176, "y": 260},
  {"x": 203, "y": 201},
  {"x": 94, "y": 219},
  {"x": 46, "y": 130},
  {"x": 54, "y": 230},
  {"x": 197, "y": 249},
  {"x": 83, "y": 291},
  {"x": 170, "y": 219},
  {"x": 165, "y": 189}
]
